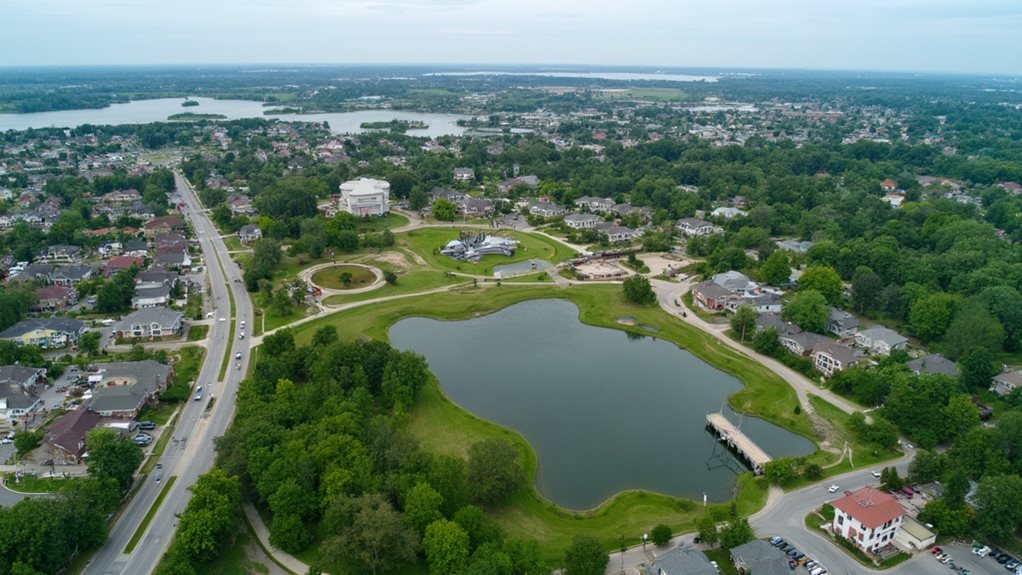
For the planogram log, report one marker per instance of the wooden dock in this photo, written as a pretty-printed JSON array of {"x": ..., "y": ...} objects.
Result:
[{"x": 732, "y": 436}]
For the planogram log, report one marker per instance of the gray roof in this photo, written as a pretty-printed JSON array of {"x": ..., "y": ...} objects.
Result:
[
  {"x": 16, "y": 396},
  {"x": 249, "y": 229},
  {"x": 794, "y": 246},
  {"x": 806, "y": 340},
  {"x": 732, "y": 280},
  {"x": 72, "y": 272},
  {"x": 162, "y": 290},
  {"x": 842, "y": 319},
  {"x": 933, "y": 364},
  {"x": 61, "y": 324},
  {"x": 710, "y": 289},
  {"x": 846, "y": 355},
  {"x": 693, "y": 223},
  {"x": 762, "y": 558},
  {"x": 135, "y": 245},
  {"x": 888, "y": 336},
  {"x": 581, "y": 217},
  {"x": 772, "y": 320},
  {"x": 147, "y": 276},
  {"x": 18, "y": 374},
  {"x": 680, "y": 561},
  {"x": 150, "y": 315},
  {"x": 126, "y": 385}
]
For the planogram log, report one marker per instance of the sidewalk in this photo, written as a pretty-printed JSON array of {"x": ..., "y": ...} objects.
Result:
[{"x": 284, "y": 559}]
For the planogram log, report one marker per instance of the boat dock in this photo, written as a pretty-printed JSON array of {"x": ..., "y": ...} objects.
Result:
[{"x": 732, "y": 436}]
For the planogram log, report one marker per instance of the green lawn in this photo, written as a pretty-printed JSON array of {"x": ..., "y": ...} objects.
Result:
[
  {"x": 443, "y": 427},
  {"x": 233, "y": 243},
  {"x": 330, "y": 277},
  {"x": 409, "y": 282},
  {"x": 159, "y": 415},
  {"x": 425, "y": 242},
  {"x": 863, "y": 454},
  {"x": 32, "y": 484},
  {"x": 197, "y": 332},
  {"x": 271, "y": 320}
]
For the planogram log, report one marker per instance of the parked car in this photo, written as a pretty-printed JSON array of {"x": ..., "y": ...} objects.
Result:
[
  {"x": 148, "y": 425},
  {"x": 833, "y": 489}
]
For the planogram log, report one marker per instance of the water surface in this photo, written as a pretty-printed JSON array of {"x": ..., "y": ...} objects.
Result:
[{"x": 604, "y": 412}]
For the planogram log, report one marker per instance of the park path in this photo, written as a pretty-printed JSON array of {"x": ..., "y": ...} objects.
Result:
[{"x": 283, "y": 558}]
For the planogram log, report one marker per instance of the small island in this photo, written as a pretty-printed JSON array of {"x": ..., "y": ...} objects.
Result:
[
  {"x": 190, "y": 117},
  {"x": 189, "y": 103},
  {"x": 395, "y": 125},
  {"x": 279, "y": 111}
]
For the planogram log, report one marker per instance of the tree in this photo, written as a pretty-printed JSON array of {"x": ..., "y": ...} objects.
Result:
[
  {"x": 417, "y": 199},
  {"x": 115, "y": 294},
  {"x": 112, "y": 457},
  {"x": 661, "y": 535},
  {"x": 494, "y": 470},
  {"x": 960, "y": 415},
  {"x": 736, "y": 532},
  {"x": 390, "y": 277},
  {"x": 89, "y": 342},
  {"x": 422, "y": 505},
  {"x": 931, "y": 315},
  {"x": 926, "y": 466},
  {"x": 445, "y": 210},
  {"x": 211, "y": 516},
  {"x": 808, "y": 309},
  {"x": 999, "y": 506},
  {"x": 446, "y": 546},
  {"x": 585, "y": 556},
  {"x": 25, "y": 441},
  {"x": 866, "y": 290},
  {"x": 708, "y": 531},
  {"x": 776, "y": 269},
  {"x": 780, "y": 471},
  {"x": 972, "y": 327},
  {"x": 977, "y": 367},
  {"x": 743, "y": 323},
  {"x": 890, "y": 480},
  {"x": 371, "y": 533},
  {"x": 638, "y": 290},
  {"x": 823, "y": 279},
  {"x": 480, "y": 529}
]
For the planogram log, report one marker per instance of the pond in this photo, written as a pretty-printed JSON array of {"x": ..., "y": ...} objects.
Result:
[
  {"x": 603, "y": 410},
  {"x": 145, "y": 111}
]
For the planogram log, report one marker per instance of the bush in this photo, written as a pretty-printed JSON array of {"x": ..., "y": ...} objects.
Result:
[{"x": 661, "y": 535}]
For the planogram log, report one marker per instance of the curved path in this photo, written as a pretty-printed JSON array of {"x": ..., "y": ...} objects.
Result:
[{"x": 306, "y": 276}]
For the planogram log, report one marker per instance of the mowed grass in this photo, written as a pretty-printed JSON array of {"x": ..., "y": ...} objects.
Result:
[
  {"x": 426, "y": 243},
  {"x": 331, "y": 277},
  {"x": 443, "y": 427},
  {"x": 410, "y": 282}
]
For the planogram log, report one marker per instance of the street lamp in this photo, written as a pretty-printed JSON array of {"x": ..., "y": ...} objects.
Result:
[{"x": 645, "y": 537}]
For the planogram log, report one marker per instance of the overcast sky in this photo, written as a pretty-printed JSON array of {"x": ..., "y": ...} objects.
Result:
[{"x": 980, "y": 36}]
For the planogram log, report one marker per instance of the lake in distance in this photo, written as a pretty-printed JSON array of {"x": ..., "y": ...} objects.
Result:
[
  {"x": 604, "y": 412},
  {"x": 158, "y": 110}
]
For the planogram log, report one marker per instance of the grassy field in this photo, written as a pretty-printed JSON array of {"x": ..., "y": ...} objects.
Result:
[
  {"x": 271, "y": 320},
  {"x": 158, "y": 415},
  {"x": 233, "y": 243},
  {"x": 863, "y": 454},
  {"x": 32, "y": 484},
  {"x": 443, "y": 427},
  {"x": 657, "y": 94},
  {"x": 410, "y": 282},
  {"x": 187, "y": 366},
  {"x": 197, "y": 332},
  {"x": 425, "y": 242},
  {"x": 331, "y": 277}
]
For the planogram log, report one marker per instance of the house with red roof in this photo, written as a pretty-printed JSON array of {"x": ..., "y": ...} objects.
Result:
[
  {"x": 868, "y": 518},
  {"x": 118, "y": 263},
  {"x": 889, "y": 185}
]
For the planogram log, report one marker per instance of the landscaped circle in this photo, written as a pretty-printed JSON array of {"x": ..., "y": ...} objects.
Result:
[{"x": 344, "y": 277}]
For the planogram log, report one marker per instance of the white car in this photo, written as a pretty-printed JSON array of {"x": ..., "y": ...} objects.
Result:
[
  {"x": 222, "y": 319},
  {"x": 833, "y": 489},
  {"x": 875, "y": 474},
  {"x": 237, "y": 355}
]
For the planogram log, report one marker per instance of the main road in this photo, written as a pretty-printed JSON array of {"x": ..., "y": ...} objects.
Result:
[{"x": 190, "y": 453}]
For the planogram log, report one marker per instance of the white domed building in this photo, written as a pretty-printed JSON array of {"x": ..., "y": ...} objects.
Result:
[{"x": 365, "y": 197}]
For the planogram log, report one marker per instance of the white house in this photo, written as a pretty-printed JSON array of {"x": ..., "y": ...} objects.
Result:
[
  {"x": 696, "y": 227},
  {"x": 594, "y": 204},
  {"x": 581, "y": 221},
  {"x": 880, "y": 340},
  {"x": 1004, "y": 383},
  {"x": 151, "y": 322},
  {"x": 868, "y": 518},
  {"x": 830, "y": 357},
  {"x": 365, "y": 197}
]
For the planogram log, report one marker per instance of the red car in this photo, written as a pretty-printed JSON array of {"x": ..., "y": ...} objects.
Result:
[{"x": 936, "y": 550}]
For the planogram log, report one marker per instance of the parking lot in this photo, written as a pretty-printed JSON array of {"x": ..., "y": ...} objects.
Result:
[{"x": 961, "y": 555}]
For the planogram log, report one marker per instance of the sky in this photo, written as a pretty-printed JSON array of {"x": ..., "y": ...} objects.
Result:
[{"x": 972, "y": 36}]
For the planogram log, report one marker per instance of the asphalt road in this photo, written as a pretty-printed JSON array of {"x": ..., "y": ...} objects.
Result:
[{"x": 190, "y": 453}]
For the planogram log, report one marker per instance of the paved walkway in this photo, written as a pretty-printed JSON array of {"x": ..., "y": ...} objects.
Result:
[
  {"x": 306, "y": 276},
  {"x": 288, "y": 561}
]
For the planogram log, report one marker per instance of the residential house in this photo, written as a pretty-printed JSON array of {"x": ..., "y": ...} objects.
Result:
[
  {"x": 71, "y": 274},
  {"x": 760, "y": 558},
  {"x": 239, "y": 204},
  {"x": 888, "y": 185},
  {"x": 47, "y": 333},
  {"x": 476, "y": 207},
  {"x": 546, "y": 209},
  {"x": 122, "y": 196},
  {"x": 728, "y": 213},
  {"x": 60, "y": 253},
  {"x": 1004, "y": 383},
  {"x": 681, "y": 561},
  {"x": 842, "y": 323},
  {"x": 151, "y": 322},
  {"x": 154, "y": 278},
  {"x": 593, "y": 204},
  {"x": 171, "y": 258},
  {"x": 464, "y": 174},
  {"x": 111, "y": 248},
  {"x": 162, "y": 225},
  {"x": 54, "y": 298},
  {"x": 17, "y": 405},
  {"x": 507, "y": 185},
  {"x": 868, "y": 518},
  {"x": 764, "y": 302},
  {"x": 773, "y": 321},
  {"x": 581, "y": 221},
  {"x": 26, "y": 377},
  {"x": 136, "y": 248},
  {"x": 794, "y": 246},
  {"x": 150, "y": 296},
  {"x": 830, "y": 357},
  {"x": 799, "y": 342},
  {"x": 880, "y": 340},
  {"x": 711, "y": 295},
  {"x": 623, "y": 210},
  {"x": 170, "y": 240},
  {"x": 122, "y": 389},
  {"x": 249, "y": 233},
  {"x": 616, "y": 234},
  {"x": 118, "y": 263},
  {"x": 65, "y": 438},
  {"x": 694, "y": 227},
  {"x": 933, "y": 364},
  {"x": 365, "y": 197},
  {"x": 736, "y": 282}
]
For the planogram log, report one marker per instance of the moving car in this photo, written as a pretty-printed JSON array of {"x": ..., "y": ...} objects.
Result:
[
  {"x": 833, "y": 489},
  {"x": 875, "y": 474},
  {"x": 237, "y": 355}
]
